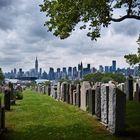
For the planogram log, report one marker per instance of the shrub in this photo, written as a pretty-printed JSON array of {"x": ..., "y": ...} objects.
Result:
[{"x": 19, "y": 95}]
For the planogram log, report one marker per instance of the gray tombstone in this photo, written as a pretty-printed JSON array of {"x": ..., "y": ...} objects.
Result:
[
  {"x": 84, "y": 87},
  {"x": 7, "y": 102},
  {"x": 129, "y": 88},
  {"x": 64, "y": 91},
  {"x": 98, "y": 102},
  {"x": 0, "y": 115},
  {"x": 13, "y": 95},
  {"x": 117, "y": 105},
  {"x": 104, "y": 103},
  {"x": 74, "y": 97},
  {"x": 78, "y": 95},
  {"x": 137, "y": 93},
  {"x": 71, "y": 89},
  {"x": 91, "y": 101},
  {"x": 58, "y": 90}
]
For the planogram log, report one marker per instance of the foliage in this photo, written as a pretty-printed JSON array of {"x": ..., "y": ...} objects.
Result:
[
  {"x": 1, "y": 76},
  {"x": 64, "y": 15},
  {"x": 134, "y": 59},
  {"x": 47, "y": 83},
  {"x": 19, "y": 95},
  {"x": 105, "y": 77}
]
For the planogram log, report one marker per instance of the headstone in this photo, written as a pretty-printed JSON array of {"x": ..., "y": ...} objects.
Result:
[
  {"x": 71, "y": 89},
  {"x": 117, "y": 105},
  {"x": 91, "y": 101},
  {"x": 13, "y": 95},
  {"x": 0, "y": 115},
  {"x": 121, "y": 86},
  {"x": 78, "y": 94},
  {"x": 64, "y": 91},
  {"x": 104, "y": 103},
  {"x": 7, "y": 102},
  {"x": 84, "y": 87},
  {"x": 98, "y": 102},
  {"x": 137, "y": 93},
  {"x": 129, "y": 88},
  {"x": 2, "y": 118},
  {"x": 74, "y": 97},
  {"x": 49, "y": 89},
  {"x": 58, "y": 90}
]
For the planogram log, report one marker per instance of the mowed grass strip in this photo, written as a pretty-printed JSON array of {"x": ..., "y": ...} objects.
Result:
[{"x": 39, "y": 117}]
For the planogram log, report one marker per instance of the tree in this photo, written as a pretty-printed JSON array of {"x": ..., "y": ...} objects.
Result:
[
  {"x": 64, "y": 15},
  {"x": 1, "y": 76},
  {"x": 104, "y": 77},
  {"x": 134, "y": 59}
]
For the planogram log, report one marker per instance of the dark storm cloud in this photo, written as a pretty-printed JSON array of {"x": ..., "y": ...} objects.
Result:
[{"x": 4, "y": 3}]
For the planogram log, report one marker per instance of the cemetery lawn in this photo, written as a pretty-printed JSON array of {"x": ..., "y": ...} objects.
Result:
[{"x": 39, "y": 117}]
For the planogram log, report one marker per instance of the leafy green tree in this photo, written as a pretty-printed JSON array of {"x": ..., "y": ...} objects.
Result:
[
  {"x": 105, "y": 77},
  {"x": 1, "y": 76},
  {"x": 134, "y": 59},
  {"x": 64, "y": 15},
  {"x": 96, "y": 77}
]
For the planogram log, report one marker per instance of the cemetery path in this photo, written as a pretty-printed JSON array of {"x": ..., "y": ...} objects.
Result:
[{"x": 39, "y": 117}]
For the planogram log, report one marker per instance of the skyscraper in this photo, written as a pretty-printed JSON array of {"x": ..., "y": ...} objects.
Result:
[
  {"x": 113, "y": 65},
  {"x": 36, "y": 67}
]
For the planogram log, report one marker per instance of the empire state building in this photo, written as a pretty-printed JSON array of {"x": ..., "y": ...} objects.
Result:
[{"x": 36, "y": 67}]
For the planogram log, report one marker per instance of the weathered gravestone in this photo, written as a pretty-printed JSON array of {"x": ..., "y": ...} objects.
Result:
[
  {"x": 72, "y": 87},
  {"x": 84, "y": 87},
  {"x": 129, "y": 88},
  {"x": 104, "y": 103},
  {"x": 91, "y": 101},
  {"x": 52, "y": 91},
  {"x": 64, "y": 91},
  {"x": 78, "y": 95},
  {"x": 74, "y": 97},
  {"x": 137, "y": 92},
  {"x": 44, "y": 89},
  {"x": 117, "y": 105},
  {"x": 13, "y": 95},
  {"x": 122, "y": 87},
  {"x": 2, "y": 117},
  {"x": 49, "y": 89},
  {"x": 7, "y": 102},
  {"x": 98, "y": 102},
  {"x": 58, "y": 90}
]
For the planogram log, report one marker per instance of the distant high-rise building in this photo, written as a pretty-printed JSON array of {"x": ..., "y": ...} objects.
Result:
[
  {"x": 51, "y": 74},
  {"x": 107, "y": 69},
  {"x": 58, "y": 74},
  {"x": 113, "y": 65},
  {"x": 101, "y": 68},
  {"x": 75, "y": 73},
  {"x": 36, "y": 67},
  {"x": 15, "y": 71}
]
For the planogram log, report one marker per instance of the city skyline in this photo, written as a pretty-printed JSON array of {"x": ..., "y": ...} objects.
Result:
[
  {"x": 71, "y": 73},
  {"x": 23, "y": 37}
]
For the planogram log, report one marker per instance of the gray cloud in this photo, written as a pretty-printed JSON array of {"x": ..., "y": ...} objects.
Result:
[
  {"x": 4, "y": 3},
  {"x": 23, "y": 37},
  {"x": 127, "y": 28}
]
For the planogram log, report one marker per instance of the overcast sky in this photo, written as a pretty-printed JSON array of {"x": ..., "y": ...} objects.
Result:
[{"x": 23, "y": 37}]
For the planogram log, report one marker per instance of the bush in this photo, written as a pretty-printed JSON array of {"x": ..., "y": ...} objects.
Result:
[{"x": 19, "y": 95}]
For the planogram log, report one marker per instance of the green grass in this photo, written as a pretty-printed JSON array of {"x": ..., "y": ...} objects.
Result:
[{"x": 39, "y": 117}]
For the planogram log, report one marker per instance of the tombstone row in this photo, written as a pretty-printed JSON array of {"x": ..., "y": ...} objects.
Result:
[
  {"x": 2, "y": 118},
  {"x": 105, "y": 101},
  {"x": 9, "y": 98},
  {"x": 131, "y": 88}
]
